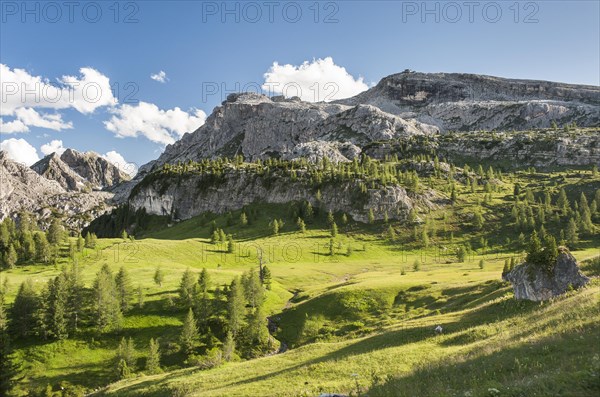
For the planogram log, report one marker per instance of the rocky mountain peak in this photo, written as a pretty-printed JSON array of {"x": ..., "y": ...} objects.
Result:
[{"x": 96, "y": 170}]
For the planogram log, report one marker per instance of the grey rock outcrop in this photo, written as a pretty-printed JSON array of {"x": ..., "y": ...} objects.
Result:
[
  {"x": 99, "y": 172},
  {"x": 23, "y": 189},
  {"x": 541, "y": 149},
  {"x": 259, "y": 127},
  {"x": 530, "y": 282},
  {"x": 192, "y": 195},
  {"x": 468, "y": 102},
  {"x": 53, "y": 168}
]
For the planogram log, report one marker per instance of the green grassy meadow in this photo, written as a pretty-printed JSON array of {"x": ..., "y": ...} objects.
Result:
[{"x": 358, "y": 323}]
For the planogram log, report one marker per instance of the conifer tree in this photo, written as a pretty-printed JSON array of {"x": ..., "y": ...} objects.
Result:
[
  {"x": 106, "y": 306},
  {"x": 301, "y": 225},
  {"x": 24, "y": 310},
  {"x": 266, "y": 278},
  {"x": 189, "y": 334},
  {"x": 159, "y": 276},
  {"x": 243, "y": 219},
  {"x": 235, "y": 307},
  {"x": 153, "y": 360},
  {"x": 572, "y": 235},
  {"x": 187, "y": 287},
  {"x": 124, "y": 289}
]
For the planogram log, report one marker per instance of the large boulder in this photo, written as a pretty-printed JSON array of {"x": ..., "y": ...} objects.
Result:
[{"x": 534, "y": 283}]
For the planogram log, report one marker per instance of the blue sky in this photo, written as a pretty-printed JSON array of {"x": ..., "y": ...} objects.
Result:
[{"x": 202, "y": 46}]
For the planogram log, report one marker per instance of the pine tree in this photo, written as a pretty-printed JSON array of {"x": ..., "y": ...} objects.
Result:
[
  {"x": 481, "y": 264},
  {"x": 140, "y": 297},
  {"x": 80, "y": 243},
  {"x": 153, "y": 360},
  {"x": 124, "y": 235},
  {"x": 124, "y": 289},
  {"x": 55, "y": 231},
  {"x": 274, "y": 225},
  {"x": 344, "y": 219},
  {"x": 478, "y": 220},
  {"x": 204, "y": 281},
  {"x": 228, "y": 346},
  {"x": 159, "y": 277},
  {"x": 24, "y": 310},
  {"x": 266, "y": 277},
  {"x": 230, "y": 245},
  {"x": 461, "y": 254},
  {"x": 42, "y": 247},
  {"x": 187, "y": 287},
  {"x": 126, "y": 353},
  {"x": 572, "y": 236},
  {"x": 8, "y": 368},
  {"x": 334, "y": 230},
  {"x": 253, "y": 289},
  {"x": 371, "y": 216},
  {"x": 534, "y": 251},
  {"x": 563, "y": 202},
  {"x": 123, "y": 371},
  {"x": 391, "y": 233},
  {"x": 28, "y": 247},
  {"x": 235, "y": 307},
  {"x": 257, "y": 333},
  {"x": 10, "y": 257},
  {"x": 189, "y": 334},
  {"x": 243, "y": 219},
  {"x": 106, "y": 306},
  {"x": 330, "y": 218},
  {"x": 301, "y": 225},
  {"x": 55, "y": 300},
  {"x": 88, "y": 240}
]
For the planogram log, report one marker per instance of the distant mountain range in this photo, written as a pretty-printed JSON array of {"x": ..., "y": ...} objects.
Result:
[{"x": 400, "y": 106}]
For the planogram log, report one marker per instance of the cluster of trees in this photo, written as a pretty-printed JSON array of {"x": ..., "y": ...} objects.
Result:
[
  {"x": 371, "y": 172},
  {"x": 64, "y": 302},
  {"x": 529, "y": 214},
  {"x": 228, "y": 321},
  {"x": 23, "y": 242}
]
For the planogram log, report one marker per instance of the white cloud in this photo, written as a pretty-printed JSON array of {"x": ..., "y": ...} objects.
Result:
[
  {"x": 118, "y": 160},
  {"x": 55, "y": 146},
  {"x": 161, "y": 77},
  {"x": 319, "y": 80},
  {"x": 85, "y": 93},
  {"x": 146, "y": 119},
  {"x": 20, "y": 151},
  {"x": 28, "y": 117},
  {"x": 22, "y": 93},
  {"x": 12, "y": 127}
]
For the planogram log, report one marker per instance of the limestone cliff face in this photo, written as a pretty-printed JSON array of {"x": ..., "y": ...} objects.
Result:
[
  {"x": 532, "y": 283},
  {"x": 541, "y": 149},
  {"x": 261, "y": 127},
  {"x": 53, "y": 168},
  {"x": 468, "y": 102},
  {"x": 97, "y": 171},
  {"x": 189, "y": 196},
  {"x": 23, "y": 189}
]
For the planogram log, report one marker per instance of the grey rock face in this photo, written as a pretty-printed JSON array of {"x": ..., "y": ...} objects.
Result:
[
  {"x": 541, "y": 149},
  {"x": 532, "y": 283},
  {"x": 192, "y": 196},
  {"x": 467, "y": 102},
  {"x": 99, "y": 172},
  {"x": 260, "y": 127},
  {"x": 53, "y": 168},
  {"x": 23, "y": 189}
]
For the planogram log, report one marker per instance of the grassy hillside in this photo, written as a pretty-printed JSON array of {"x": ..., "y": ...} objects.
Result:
[{"x": 360, "y": 317}]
